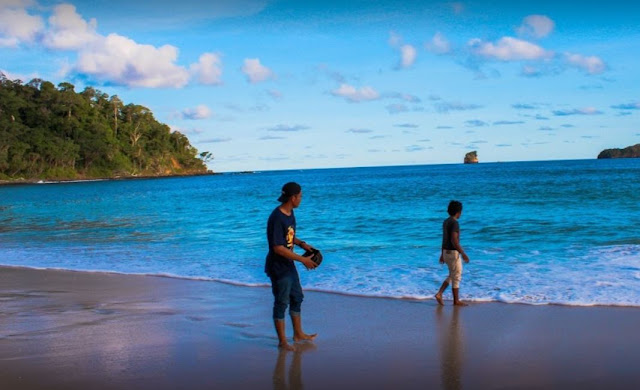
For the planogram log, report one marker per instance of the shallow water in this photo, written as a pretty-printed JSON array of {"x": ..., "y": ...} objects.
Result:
[{"x": 562, "y": 232}]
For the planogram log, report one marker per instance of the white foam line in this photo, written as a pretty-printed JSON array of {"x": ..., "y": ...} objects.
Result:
[
  {"x": 334, "y": 292},
  {"x": 68, "y": 181}
]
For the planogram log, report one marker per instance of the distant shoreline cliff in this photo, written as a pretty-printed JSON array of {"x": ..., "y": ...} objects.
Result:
[{"x": 628, "y": 152}]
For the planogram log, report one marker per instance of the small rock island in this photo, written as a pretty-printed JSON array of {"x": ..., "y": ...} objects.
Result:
[
  {"x": 471, "y": 158},
  {"x": 628, "y": 152}
]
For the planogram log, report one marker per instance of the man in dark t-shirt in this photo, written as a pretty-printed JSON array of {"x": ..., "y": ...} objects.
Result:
[
  {"x": 280, "y": 267},
  {"x": 451, "y": 252}
]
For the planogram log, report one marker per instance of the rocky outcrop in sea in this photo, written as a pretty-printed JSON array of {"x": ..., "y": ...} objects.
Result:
[{"x": 471, "y": 158}]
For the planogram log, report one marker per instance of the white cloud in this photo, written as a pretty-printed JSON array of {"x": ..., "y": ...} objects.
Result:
[
  {"x": 288, "y": 128},
  {"x": 397, "y": 108},
  {"x": 200, "y": 112},
  {"x": 509, "y": 49},
  {"x": 394, "y": 39},
  {"x": 407, "y": 125},
  {"x": 476, "y": 123},
  {"x": 9, "y": 42},
  {"x": 15, "y": 76},
  {"x": 65, "y": 67},
  {"x": 591, "y": 65},
  {"x": 414, "y": 148},
  {"x": 504, "y": 122},
  {"x": 578, "y": 111},
  {"x": 275, "y": 94},
  {"x": 16, "y": 3},
  {"x": 17, "y": 26},
  {"x": 536, "y": 26},
  {"x": 403, "y": 96},
  {"x": 68, "y": 30},
  {"x": 359, "y": 131},
  {"x": 525, "y": 106},
  {"x": 208, "y": 70},
  {"x": 530, "y": 71},
  {"x": 455, "y": 106},
  {"x": 354, "y": 94},
  {"x": 438, "y": 44},
  {"x": 627, "y": 106},
  {"x": 407, "y": 55},
  {"x": 590, "y": 111},
  {"x": 120, "y": 60},
  {"x": 255, "y": 71},
  {"x": 111, "y": 59},
  {"x": 185, "y": 131},
  {"x": 270, "y": 137},
  {"x": 214, "y": 140}
]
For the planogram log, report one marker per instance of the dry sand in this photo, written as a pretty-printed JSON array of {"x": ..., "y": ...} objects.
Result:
[{"x": 77, "y": 330}]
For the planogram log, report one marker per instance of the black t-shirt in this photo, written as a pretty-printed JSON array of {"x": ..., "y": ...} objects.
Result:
[
  {"x": 281, "y": 230},
  {"x": 449, "y": 226}
]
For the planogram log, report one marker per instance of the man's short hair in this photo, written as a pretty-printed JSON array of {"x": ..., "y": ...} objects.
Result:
[
  {"x": 288, "y": 190},
  {"x": 454, "y": 207}
]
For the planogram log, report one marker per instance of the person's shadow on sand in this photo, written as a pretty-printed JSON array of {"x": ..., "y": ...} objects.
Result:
[
  {"x": 295, "y": 368},
  {"x": 451, "y": 348}
]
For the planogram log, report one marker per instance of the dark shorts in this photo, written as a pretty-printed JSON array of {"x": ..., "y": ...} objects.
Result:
[{"x": 287, "y": 291}]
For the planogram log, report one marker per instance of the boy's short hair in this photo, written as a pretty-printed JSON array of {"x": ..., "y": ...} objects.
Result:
[{"x": 454, "y": 207}]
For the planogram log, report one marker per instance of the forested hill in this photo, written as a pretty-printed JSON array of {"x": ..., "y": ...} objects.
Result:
[{"x": 58, "y": 133}]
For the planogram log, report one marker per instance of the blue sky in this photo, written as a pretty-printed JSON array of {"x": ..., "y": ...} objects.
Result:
[{"x": 312, "y": 84}]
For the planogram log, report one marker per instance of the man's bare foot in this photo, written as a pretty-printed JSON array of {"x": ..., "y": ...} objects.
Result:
[
  {"x": 304, "y": 337},
  {"x": 439, "y": 299},
  {"x": 286, "y": 347},
  {"x": 460, "y": 303}
]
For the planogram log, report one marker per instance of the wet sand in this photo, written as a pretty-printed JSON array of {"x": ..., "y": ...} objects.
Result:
[{"x": 76, "y": 330}]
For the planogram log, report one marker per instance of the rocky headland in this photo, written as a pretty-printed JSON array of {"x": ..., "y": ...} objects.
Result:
[{"x": 628, "y": 152}]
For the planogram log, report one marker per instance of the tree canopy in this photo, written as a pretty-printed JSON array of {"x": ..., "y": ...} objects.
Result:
[{"x": 58, "y": 133}]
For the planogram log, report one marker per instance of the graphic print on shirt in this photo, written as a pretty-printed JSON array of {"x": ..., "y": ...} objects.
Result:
[{"x": 290, "y": 234}]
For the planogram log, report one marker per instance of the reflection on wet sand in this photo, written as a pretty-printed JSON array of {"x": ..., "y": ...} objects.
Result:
[
  {"x": 294, "y": 381},
  {"x": 451, "y": 347}
]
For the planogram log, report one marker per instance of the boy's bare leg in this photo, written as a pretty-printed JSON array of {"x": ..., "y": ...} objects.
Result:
[
  {"x": 298, "y": 334},
  {"x": 282, "y": 336},
  {"x": 440, "y": 292},
  {"x": 456, "y": 299}
]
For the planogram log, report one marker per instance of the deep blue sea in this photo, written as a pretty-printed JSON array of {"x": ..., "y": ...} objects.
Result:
[{"x": 553, "y": 232}]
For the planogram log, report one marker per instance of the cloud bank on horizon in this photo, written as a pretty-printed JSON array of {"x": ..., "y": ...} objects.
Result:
[{"x": 347, "y": 73}]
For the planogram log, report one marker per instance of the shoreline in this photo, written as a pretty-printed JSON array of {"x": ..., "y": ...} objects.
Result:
[
  {"x": 76, "y": 330},
  {"x": 266, "y": 284},
  {"x": 17, "y": 182}
]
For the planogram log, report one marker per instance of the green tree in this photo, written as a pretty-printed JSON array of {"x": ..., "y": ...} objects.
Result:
[{"x": 56, "y": 132}]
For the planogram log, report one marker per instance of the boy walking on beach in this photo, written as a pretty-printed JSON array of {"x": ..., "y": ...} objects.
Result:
[
  {"x": 280, "y": 267},
  {"x": 451, "y": 252}
]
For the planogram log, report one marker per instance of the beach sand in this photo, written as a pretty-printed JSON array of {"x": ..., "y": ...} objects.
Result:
[{"x": 78, "y": 330}]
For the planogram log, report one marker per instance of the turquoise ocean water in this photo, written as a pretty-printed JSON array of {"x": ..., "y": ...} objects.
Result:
[{"x": 563, "y": 232}]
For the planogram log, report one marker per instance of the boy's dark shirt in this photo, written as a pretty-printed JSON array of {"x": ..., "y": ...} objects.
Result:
[
  {"x": 281, "y": 230},
  {"x": 449, "y": 226}
]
